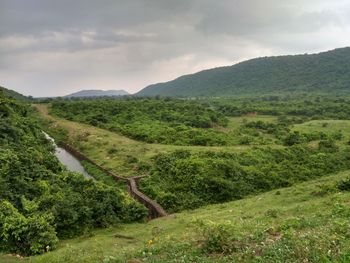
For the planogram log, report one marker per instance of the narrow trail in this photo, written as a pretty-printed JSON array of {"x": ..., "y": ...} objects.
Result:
[{"x": 155, "y": 209}]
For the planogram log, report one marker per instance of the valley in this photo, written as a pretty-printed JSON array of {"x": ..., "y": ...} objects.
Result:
[
  {"x": 267, "y": 226},
  {"x": 174, "y": 131},
  {"x": 248, "y": 179}
]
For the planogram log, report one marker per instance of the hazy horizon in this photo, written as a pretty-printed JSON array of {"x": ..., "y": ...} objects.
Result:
[{"x": 54, "y": 48}]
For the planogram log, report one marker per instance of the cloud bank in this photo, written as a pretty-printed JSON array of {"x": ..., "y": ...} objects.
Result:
[{"x": 52, "y": 48}]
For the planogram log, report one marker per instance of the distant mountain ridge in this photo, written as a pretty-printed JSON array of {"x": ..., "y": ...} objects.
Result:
[
  {"x": 323, "y": 72},
  {"x": 96, "y": 93}
]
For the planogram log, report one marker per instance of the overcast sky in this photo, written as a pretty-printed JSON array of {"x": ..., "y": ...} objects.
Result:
[{"x": 55, "y": 47}]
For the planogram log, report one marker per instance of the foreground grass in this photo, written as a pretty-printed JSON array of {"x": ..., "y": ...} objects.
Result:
[
  {"x": 273, "y": 224},
  {"x": 119, "y": 153}
]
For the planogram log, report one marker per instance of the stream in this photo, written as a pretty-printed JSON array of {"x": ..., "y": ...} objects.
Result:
[{"x": 68, "y": 160}]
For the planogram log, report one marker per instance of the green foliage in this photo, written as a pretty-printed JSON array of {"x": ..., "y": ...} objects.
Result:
[
  {"x": 40, "y": 199},
  {"x": 327, "y": 146},
  {"x": 318, "y": 238},
  {"x": 13, "y": 94},
  {"x": 218, "y": 238},
  {"x": 290, "y": 109},
  {"x": 34, "y": 234},
  {"x": 175, "y": 122},
  {"x": 182, "y": 180},
  {"x": 319, "y": 73},
  {"x": 344, "y": 185}
]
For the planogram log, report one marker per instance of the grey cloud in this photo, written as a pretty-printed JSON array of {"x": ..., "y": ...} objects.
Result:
[
  {"x": 35, "y": 16},
  {"x": 50, "y": 47},
  {"x": 250, "y": 18}
]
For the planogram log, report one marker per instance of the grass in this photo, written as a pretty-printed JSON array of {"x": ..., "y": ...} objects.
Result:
[
  {"x": 120, "y": 154},
  {"x": 328, "y": 127},
  {"x": 306, "y": 208}
]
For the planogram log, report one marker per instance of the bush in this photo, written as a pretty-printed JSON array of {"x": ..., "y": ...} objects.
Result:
[
  {"x": 25, "y": 235},
  {"x": 327, "y": 146},
  {"x": 344, "y": 185},
  {"x": 218, "y": 238}
]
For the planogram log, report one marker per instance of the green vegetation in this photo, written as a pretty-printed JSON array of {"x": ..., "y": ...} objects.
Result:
[
  {"x": 185, "y": 178},
  {"x": 153, "y": 121},
  {"x": 182, "y": 180},
  {"x": 13, "y": 94},
  {"x": 327, "y": 72},
  {"x": 39, "y": 199},
  {"x": 209, "y": 122},
  {"x": 271, "y": 172},
  {"x": 308, "y": 222},
  {"x": 295, "y": 109},
  {"x": 118, "y": 153}
]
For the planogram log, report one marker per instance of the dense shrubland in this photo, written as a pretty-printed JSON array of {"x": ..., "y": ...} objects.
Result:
[
  {"x": 183, "y": 180},
  {"x": 40, "y": 201},
  {"x": 154, "y": 121},
  {"x": 291, "y": 109},
  {"x": 204, "y": 122}
]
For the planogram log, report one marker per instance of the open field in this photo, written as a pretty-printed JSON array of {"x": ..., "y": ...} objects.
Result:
[{"x": 307, "y": 210}]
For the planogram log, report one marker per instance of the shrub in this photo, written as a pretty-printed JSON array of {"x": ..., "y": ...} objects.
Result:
[
  {"x": 344, "y": 185},
  {"x": 25, "y": 235},
  {"x": 327, "y": 146},
  {"x": 218, "y": 238}
]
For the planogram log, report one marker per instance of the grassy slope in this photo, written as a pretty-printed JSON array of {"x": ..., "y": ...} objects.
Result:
[
  {"x": 326, "y": 126},
  {"x": 248, "y": 215},
  {"x": 98, "y": 143}
]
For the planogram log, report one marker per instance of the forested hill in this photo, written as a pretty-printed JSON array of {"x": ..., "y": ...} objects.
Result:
[
  {"x": 326, "y": 72},
  {"x": 13, "y": 94}
]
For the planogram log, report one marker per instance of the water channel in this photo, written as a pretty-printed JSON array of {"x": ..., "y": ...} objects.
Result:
[{"x": 68, "y": 160}]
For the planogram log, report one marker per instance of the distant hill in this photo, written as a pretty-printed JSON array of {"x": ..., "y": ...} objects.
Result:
[
  {"x": 318, "y": 73},
  {"x": 96, "y": 93},
  {"x": 13, "y": 94}
]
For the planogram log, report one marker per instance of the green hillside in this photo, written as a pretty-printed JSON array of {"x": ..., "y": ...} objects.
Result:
[
  {"x": 308, "y": 222},
  {"x": 326, "y": 72},
  {"x": 13, "y": 94},
  {"x": 40, "y": 200}
]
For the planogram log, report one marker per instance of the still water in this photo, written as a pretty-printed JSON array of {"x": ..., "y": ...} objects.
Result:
[{"x": 68, "y": 159}]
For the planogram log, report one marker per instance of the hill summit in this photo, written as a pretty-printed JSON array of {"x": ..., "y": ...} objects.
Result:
[{"x": 97, "y": 93}]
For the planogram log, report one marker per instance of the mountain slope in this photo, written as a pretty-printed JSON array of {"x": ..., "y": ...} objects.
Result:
[
  {"x": 13, "y": 94},
  {"x": 97, "y": 93},
  {"x": 324, "y": 72}
]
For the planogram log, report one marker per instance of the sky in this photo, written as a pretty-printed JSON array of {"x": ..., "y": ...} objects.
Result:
[{"x": 56, "y": 47}]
